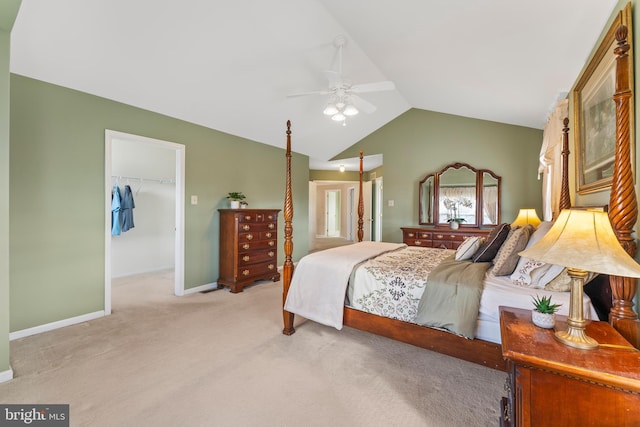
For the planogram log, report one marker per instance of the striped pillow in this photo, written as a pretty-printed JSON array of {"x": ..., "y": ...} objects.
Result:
[{"x": 468, "y": 248}]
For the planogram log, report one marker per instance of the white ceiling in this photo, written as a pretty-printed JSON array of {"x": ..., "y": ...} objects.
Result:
[{"x": 229, "y": 65}]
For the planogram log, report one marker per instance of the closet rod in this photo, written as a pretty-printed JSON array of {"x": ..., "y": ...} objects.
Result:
[{"x": 136, "y": 178}]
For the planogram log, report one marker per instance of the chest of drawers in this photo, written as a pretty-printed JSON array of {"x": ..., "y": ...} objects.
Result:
[
  {"x": 248, "y": 247},
  {"x": 439, "y": 237}
]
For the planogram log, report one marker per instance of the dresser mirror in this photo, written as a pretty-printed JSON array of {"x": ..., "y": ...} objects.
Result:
[{"x": 460, "y": 192}]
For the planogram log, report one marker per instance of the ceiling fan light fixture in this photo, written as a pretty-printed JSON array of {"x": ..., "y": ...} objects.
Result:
[
  {"x": 339, "y": 117},
  {"x": 350, "y": 110},
  {"x": 330, "y": 110}
]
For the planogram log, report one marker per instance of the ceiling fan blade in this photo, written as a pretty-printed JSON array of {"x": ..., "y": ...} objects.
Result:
[
  {"x": 315, "y": 92},
  {"x": 373, "y": 87},
  {"x": 363, "y": 105}
]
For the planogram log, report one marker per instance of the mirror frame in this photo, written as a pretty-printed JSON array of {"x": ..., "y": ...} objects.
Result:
[{"x": 479, "y": 193}]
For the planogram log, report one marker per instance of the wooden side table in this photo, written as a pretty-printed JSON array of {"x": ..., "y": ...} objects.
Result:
[{"x": 552, "y": 384}]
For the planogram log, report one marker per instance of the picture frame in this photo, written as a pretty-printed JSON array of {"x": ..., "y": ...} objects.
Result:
[{"x": 595, "y": 112}]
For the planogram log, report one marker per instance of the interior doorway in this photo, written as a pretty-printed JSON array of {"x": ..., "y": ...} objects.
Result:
[
  {"x": 332, "y": 212},
  {"x": 174, "y": 185}
]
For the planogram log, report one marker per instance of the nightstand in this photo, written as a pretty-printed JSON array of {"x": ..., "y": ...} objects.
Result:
[{"x": 552, "y": 384}]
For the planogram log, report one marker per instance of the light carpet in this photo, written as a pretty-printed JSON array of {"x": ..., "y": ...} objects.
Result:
[{"x": 220, "y": 359}]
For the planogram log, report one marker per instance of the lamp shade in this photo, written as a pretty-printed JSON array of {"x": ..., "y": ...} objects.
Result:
[
  {"x": 585, "y": 240},
  {"x": 526, "y": 216}
]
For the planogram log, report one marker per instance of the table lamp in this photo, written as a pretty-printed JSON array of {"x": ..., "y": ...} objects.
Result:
[
  {"x": 583, "y": 241},
  {"x": 526, "y": 216}
]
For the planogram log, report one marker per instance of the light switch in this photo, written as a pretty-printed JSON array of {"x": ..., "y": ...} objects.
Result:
[
  {"x": 391, "y": 203},
  {"x": 194, "y": 200}
]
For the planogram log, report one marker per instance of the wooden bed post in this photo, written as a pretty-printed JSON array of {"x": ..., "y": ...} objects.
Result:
[
  {"x": 565, "y": 197},
  {"x": 623, "y": 206},
  {"x": 360, "y": 205},
  {"x": 287, "y": 269}
]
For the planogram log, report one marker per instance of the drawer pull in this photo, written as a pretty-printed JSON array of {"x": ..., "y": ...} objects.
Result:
[
  {"x": 271, "y": 243},
  {"x": 246, "y": 227},
  {"x": 246, "y": 258},
  {"x": 424, "y": 235},
  {"x": 245, "y": 272},
  {"x": 439, "y": 236},
  {"x": 271, "y": 253},
  {"x": 411, "y": 234},
  {"x": 271, "y": 267},
  {"x": 272, "y": 226},
  {"x": 453, "y": 236},
  {"x": 418, "y": 242},
  {"x": 246, "y": 246},
  {"x": 249, "y": 236},
  {"x": 247, "y": 218},
  {"x": 268, "y": 235}
]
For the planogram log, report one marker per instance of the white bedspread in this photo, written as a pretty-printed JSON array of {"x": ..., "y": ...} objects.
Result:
[{"x": 320, "y": 280}]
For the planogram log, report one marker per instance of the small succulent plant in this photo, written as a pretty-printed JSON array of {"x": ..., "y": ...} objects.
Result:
[{"x": 543, "y": 304}]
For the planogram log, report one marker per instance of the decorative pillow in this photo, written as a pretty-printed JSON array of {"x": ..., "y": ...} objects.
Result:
[
  {"x": 522, "y": 274},
  {"x": 507, "y": 257},
  {"x": 561, "y": 283},
  {"x": 535, "y": 274},
  {"x": 530, "y": 272},
  {"x": 468, "y": 248},
  {"x": 492, "y": 244}
]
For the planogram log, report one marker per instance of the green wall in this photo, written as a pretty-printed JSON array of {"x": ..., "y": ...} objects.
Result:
[
  {"x": 57, "y": 195},
  {"x": 8, "y": 13},
  {"x": 419, "y": 142}
]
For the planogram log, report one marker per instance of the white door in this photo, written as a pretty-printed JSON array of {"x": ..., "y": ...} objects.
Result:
[
  {"x": 378, "y": 210},
  {"x": 367, "y": 218},
  {"x": 332, "y": 213}
]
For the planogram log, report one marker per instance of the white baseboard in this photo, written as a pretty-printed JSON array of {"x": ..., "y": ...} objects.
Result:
[
  {"x": 6, "y": 375},
  {"x": 202, "y": 288},
  {"x": 55, "y": 325}
]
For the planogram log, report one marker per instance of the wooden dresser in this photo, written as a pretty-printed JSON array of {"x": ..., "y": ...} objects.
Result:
[
  {"x": 552, "y": 384},
  {"x": 445, "y": 238},
  {"x": 248, "y": 247}
]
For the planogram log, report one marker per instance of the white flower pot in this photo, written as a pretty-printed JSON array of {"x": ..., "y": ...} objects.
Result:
[
  {"x": 235, "y": 204},
  {"x": 544, "y": 320},
  {"x": 454, "y": 225}
]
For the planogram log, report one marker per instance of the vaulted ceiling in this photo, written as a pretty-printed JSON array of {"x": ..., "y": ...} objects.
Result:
[{"x": 229, "y": 65}]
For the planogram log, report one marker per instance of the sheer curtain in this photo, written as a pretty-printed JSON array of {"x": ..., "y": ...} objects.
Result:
[
  {"x": 490, "y": 205},
  {"x": 551, "y": 160}
]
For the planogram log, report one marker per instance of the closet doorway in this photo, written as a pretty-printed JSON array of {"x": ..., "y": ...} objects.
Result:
[{"x": 154, "y": 171}]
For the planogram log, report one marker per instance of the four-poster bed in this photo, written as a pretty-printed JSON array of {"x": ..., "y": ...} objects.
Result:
[{"x": 622, "y": 212}]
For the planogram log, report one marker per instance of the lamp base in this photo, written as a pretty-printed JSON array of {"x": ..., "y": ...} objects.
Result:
[{"x": 575, "y": 337}]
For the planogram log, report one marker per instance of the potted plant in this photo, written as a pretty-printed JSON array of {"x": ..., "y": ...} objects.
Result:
[
  {"x": 454, "y": 223},
  {"x": 235, "y": 197},
  {"x": 544, "y": 312}
]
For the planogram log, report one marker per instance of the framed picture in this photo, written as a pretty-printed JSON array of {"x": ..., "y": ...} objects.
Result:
[{"x": 595, "y": 112}]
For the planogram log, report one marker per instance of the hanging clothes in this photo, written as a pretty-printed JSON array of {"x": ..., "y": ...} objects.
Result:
[
  {"x": 115, "y": 210},
  {"x": 126, "y": 209}
]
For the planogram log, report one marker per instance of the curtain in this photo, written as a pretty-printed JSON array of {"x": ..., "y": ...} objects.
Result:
[
  {"x": 457, "y": 202},
  {"x": 551, "y": 160},
  {"x": 490, "y": 205}
]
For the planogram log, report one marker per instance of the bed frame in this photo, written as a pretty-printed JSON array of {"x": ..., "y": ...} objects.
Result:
[{"x": 623, "y": 213}]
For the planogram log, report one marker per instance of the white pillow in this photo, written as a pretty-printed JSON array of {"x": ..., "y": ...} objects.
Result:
[
  {"x": 469, "y": 247},
  {"x": 532, "y": 273},
  {"x": 521, "y": 276}
]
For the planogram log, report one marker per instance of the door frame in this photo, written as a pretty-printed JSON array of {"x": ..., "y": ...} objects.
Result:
[{"x": 179, "y": 150}]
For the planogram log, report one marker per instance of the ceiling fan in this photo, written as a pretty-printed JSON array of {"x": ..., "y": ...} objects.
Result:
[{"x": 343, "y": 99}]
